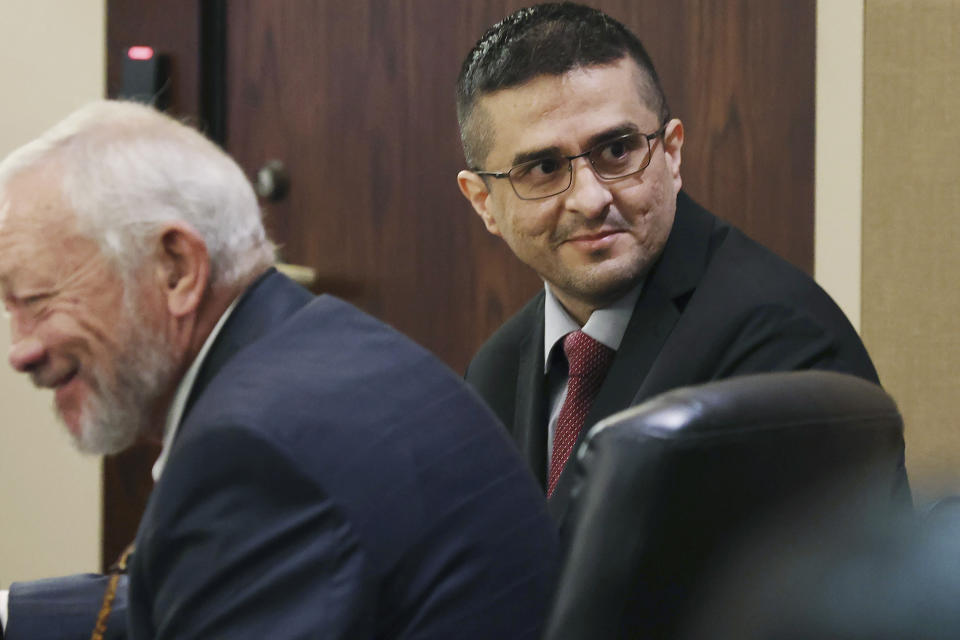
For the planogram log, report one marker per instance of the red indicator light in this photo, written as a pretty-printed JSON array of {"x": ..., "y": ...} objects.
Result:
[{"x": 140, "y": 53}]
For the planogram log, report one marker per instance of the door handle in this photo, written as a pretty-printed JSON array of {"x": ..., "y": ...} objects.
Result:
[{"x": 273, "y": 181}]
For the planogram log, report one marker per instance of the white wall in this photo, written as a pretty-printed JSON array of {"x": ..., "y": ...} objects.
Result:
[{"x": 51, "y": 61}]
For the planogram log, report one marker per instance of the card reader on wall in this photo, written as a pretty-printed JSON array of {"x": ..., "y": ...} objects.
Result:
[{"x": 146, "y": 76}]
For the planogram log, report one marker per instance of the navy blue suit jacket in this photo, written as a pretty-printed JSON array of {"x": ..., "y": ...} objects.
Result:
[
  {"x": 64, "y": 609},
  {"x": 331, "y": 479}
]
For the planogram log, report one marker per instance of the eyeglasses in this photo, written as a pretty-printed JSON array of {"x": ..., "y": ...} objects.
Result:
[{"x": 613, "y": 159}]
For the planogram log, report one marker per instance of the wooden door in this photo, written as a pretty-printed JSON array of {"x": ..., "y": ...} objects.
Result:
[{"x": 356, "y": 100}]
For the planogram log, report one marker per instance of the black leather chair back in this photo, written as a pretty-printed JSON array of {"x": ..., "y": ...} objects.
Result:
[{"x": 665, "y": 488}]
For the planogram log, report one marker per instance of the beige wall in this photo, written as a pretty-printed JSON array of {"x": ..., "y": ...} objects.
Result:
[
  {"x": 888, "y": 207},
  {"x": 51, "y": 61},
  {"x": 911, "y": 225},
  {"x": 838, "y": 154}
]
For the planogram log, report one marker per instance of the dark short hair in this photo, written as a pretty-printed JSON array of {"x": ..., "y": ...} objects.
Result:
[{"x": 549, "y": 39}]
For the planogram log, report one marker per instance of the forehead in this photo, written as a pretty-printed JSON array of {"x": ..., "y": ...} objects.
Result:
[
  {"x": 32, "y": 208},
  {"x": 566, "y": 110},
  {"x": 39, "y": 235}
]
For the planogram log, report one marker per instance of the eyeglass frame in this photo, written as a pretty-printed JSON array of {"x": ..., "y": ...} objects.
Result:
[{"x": 649, "y": 137}]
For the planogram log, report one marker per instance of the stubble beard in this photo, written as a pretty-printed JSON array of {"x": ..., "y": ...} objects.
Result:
[
  {"x": 601, "y": 284},
  {"x": 605, "y": 278}
]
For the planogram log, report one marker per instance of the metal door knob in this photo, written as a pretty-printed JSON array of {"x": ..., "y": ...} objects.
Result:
[{"x": 273, "y": 181}]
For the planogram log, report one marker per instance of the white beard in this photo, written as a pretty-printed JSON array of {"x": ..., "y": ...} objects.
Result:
[{"x": 119, "y": 412}]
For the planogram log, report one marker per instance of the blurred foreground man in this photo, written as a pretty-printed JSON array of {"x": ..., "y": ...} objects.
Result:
[
  {"x": 574, "y": 160},
  {"x": 321, "y": 475}
]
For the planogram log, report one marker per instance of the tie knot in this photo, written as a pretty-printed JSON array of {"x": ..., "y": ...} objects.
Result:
[{"x": 585, "y": 355}]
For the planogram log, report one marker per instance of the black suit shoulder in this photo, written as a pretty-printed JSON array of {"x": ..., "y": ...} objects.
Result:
[{"x": 777, "y": 317}]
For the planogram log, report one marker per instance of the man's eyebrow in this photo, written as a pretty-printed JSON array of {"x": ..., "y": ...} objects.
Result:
[
  {"x": 536, "y": 154},
  {"x": 624, "y": 129}
]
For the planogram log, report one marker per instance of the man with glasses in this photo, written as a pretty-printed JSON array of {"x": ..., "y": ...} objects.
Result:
[{"x": 575, "y": 162}]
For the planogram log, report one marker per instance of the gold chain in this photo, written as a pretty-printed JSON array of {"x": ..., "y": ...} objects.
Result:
[{"x": 111, "y": 592}]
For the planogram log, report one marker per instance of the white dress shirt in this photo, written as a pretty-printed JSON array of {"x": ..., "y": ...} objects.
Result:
[
  {"x": 175, "y": 412},
  {"x": 4, "y": 596}
]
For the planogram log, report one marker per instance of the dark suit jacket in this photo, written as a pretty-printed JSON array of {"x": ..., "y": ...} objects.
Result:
[
  {"x": 331, "y": 479},
  {"x": 64, "y": 609},
  {"x": 715, "y": 305}
]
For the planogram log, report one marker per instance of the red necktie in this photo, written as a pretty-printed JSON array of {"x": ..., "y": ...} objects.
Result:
[{"x": 588, "y": 362}]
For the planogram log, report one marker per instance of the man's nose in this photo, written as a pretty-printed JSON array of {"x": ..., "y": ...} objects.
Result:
[
  {"x": 26, "y": 353},
  {"x": 588, "y": 195}
]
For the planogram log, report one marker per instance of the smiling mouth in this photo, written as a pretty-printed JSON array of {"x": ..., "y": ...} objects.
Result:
[
  {"x": 589, "y": 238},
  {"x": 594, "y": 236},
  {"x": 57, "y": 383}
]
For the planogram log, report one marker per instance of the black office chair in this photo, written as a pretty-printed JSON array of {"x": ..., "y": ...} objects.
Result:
[{"x": 664, "y": 490}]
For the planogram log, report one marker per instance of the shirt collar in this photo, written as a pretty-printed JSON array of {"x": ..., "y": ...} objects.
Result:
[
  {"x": 175, "y": 413},
  {"x": 606, "y": 325}
]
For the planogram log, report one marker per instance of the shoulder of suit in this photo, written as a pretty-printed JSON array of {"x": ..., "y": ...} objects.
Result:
[
  {"x": 731, "y": 248},
  {"x": 324, "y": 349},
  {"x": 744, "y": 277},
  {"x": 743, "y": 257}
]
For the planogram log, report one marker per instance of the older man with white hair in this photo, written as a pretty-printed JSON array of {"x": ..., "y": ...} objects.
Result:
[{"x": 321, "y": 475}]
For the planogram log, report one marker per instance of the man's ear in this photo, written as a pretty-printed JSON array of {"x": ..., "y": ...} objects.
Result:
[
  {"x": 475, "y": 190},
  {"x": 672, "y": 144},
  {"x": 183, "y": 268}
]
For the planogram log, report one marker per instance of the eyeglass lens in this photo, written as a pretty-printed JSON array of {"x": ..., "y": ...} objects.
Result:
[{"x": 549, "y": 176}]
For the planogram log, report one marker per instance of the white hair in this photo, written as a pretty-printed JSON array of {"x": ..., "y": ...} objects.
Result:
[{"x": 127, "y": 169}]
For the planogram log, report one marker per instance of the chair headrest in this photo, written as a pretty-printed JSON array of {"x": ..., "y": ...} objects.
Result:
[{"x": 771, "y": 401}]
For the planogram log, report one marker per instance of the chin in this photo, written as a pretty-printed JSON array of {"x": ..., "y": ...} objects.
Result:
[
  {"x": 95, "y": 440},
  {"x": 103, "y": 431},
  {"x": 604, "y": 283},
  {"x": 114, "y": 414}
]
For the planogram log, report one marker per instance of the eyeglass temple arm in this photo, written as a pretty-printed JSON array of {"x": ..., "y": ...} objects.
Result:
[{"x": 492, "y": 174}]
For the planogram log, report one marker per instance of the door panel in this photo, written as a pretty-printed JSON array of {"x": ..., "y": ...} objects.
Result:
[
  {"x": 357, "y": 101},
  {"x": 365, "y": 125}
]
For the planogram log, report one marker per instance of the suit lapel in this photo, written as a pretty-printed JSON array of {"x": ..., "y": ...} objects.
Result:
[
  {"x": 658, "y": 308},
  {"x": 530, "y": 406},
  {"x": 268, "y": 301}
]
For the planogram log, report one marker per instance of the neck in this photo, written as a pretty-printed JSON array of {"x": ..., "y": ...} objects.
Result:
[{"x": 578, "y": 311}]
